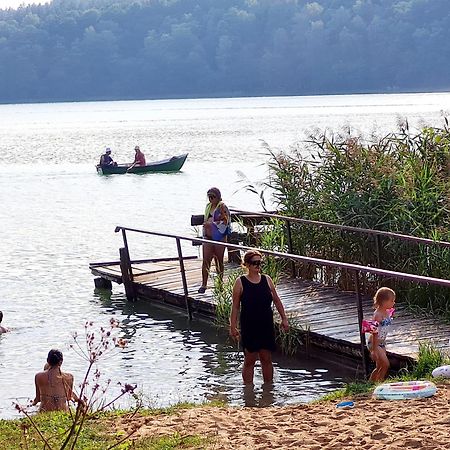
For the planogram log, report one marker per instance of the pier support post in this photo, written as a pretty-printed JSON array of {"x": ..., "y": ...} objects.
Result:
[
  {"x": 127, "y": 274},
  {"x": 362, "y": 336},
  {"x": 183, "y": 279},
  {"x": 102, "y": 283}
]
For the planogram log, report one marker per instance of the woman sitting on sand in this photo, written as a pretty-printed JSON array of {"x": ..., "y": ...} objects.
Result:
[{"x": 54, "y": 389}]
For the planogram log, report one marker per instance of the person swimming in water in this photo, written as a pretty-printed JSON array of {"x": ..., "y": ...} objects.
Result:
[
  {"x": 54, "y": 388},
  {"x": 2, "y": 329}
]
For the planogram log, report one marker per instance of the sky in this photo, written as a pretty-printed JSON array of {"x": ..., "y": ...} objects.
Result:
[{"x": 16, "y": 3}]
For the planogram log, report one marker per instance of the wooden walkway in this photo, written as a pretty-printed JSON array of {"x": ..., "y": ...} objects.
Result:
[{"x": 330, "y": 315}]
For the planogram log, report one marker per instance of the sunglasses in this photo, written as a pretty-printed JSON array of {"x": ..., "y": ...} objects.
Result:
[
  {"x": 255, "y": 262},
  {"x": 211, "y": 196}
]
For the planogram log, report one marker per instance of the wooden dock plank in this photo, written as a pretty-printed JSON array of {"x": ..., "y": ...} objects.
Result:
[{"x": 324, "y": 310}]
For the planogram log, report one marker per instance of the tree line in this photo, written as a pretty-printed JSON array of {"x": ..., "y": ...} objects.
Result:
[{"x": 120, "y": 49}]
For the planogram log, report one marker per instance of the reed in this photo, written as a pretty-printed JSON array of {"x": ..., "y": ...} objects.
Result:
[
  {"x": 223, "y": 295},
  {"x": 428, "y": 359},
  {"x": 399, "y": 182},
  {"x": 273, "y": 238},
  {"x": 294, "y": 338}
]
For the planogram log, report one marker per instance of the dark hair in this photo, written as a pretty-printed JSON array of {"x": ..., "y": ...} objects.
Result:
[
  {"x": 1, "y": 316},
  {"x": 216, "y": 192},
  {"x": 54, "y": 357}
]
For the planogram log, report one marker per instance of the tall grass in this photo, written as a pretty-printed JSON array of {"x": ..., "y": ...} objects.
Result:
[
  {"x": 273, "y": 238},
  {"x": 399, "y": 182},
  {"x": 223, "y": 294},
  {"x": 428, "y": 359},
  {"x": 294, "y": 338}
]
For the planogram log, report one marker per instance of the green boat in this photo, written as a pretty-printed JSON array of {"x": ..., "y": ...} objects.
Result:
[{"x": 173, "y": 164}]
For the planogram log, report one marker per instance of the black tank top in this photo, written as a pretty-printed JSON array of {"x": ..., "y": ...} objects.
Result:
[{"x": 256, "y": 315}]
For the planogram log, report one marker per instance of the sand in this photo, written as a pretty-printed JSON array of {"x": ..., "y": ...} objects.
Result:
[{"x": 371, "y": 424}]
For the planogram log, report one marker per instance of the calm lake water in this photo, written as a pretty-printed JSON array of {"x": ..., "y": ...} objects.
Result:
[{"x": 57, "y": 215}]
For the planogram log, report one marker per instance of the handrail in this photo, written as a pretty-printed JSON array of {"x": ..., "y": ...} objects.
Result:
[
  {"x": 354, "y": 268},
  {"x": 305, "y": 259},
  {"x": 389, "y": 234}
]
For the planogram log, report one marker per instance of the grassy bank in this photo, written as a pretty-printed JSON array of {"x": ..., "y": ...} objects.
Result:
[
  {"x": 99, "y": 431},
  {"x": 132, "y": 429}
]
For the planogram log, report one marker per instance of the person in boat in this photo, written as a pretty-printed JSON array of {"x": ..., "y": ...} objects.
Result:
[
  {"x": 216, "y": 227},
  {"x": 139, "y": 158},
  {"x": 2, "y": 329},
  {"x": 54, "y": 388},
  {"x": 106, "y": 159},
  {"x": 253, "y": 295}
]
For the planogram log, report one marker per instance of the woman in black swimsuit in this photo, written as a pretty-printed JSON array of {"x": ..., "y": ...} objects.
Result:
[{"x": 253, "y": 295}]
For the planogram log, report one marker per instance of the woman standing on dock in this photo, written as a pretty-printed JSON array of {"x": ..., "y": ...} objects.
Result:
[
  {"x": 253, "y": 295},
  {"x": 216, "y": 227}
]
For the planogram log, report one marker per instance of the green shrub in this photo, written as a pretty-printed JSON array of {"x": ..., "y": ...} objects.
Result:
[
  {"x": 295, "y": 337},
  {"x": 399, "y": 183},
  {"x": 223, "y": 295},
  {"x": 428, "y": 359}
]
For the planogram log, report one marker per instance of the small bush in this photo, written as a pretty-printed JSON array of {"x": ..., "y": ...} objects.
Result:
[
  {"x": 428, "y": 359},
  {"x": 223, "y": 294}
]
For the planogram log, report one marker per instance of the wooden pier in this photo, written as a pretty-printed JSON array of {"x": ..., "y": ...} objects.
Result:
[{"x": 329, "y": 316}]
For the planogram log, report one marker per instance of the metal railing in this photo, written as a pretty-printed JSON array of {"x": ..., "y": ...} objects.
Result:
[
  {"x": 355, "y": 269},
  {"x": 377, "y": 234}
]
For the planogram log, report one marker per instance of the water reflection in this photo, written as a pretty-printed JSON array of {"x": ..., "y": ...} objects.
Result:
[{"x": 202, "y": 363}]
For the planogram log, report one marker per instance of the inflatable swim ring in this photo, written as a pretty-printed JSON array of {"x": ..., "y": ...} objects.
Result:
[
  {"x": 442, "y": 371},
  {"x": 405, "y": 390}
]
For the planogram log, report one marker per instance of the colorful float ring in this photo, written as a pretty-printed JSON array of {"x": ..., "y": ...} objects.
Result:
[
  {"x": 405, "y": 390},
  {"x": 442, "y": 371}
]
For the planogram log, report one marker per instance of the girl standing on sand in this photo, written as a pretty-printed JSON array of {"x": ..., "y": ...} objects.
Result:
[
  {"x": 383, "y": 301},
  {"x": 253, "y": 295}
]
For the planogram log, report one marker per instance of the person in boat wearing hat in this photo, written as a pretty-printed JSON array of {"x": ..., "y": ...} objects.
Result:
[
  {"x": 139, "y": 158},
  {"x": 106, "y": 160}
]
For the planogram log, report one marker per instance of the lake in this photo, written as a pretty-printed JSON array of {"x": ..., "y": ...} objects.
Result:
[{"x": 57, "y": 215}]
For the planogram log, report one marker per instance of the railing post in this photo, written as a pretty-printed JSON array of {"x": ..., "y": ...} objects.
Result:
[
  {"x": 362, "y": 336},
  {"x": 127, "y": 280},
  {"x": 183, "y": 278},
  {"x": 125, "y": 268},
  {"x": 378, "y": 248},
  {"x": 291, "y": 250}
]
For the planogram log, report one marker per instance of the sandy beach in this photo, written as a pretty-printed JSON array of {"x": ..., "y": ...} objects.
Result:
[{"x": 371, "y": 424}]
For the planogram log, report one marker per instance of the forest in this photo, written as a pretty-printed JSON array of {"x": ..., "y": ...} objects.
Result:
[{"x": 73, "y": 50}]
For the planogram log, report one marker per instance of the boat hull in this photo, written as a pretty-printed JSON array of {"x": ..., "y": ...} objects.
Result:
[{"x": 173, "y": 164}]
